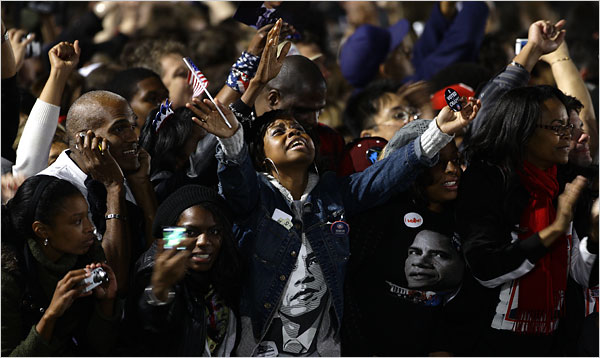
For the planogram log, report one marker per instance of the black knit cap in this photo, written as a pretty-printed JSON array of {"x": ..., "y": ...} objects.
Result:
[{"x": 185, "y": 197}]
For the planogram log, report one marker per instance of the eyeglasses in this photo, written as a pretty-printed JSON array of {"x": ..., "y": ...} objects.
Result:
[
  {"x": 560, "y": 130},
  {"x": 408, "y": 113}
]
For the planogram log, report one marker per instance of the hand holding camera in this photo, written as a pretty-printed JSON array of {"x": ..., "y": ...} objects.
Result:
[
  {"x": 101, "y": 280},
  {"x": 67, "y": 290},
  {"x": 170, "y": 264}
]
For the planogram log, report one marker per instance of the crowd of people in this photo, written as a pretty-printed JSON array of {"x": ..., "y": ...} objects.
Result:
[{"x": 312, "y": 190}]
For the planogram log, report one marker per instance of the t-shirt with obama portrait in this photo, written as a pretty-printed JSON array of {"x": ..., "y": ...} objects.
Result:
[
  {"x": 405, "y": 283},
  {"x": 298, "y": 319}
]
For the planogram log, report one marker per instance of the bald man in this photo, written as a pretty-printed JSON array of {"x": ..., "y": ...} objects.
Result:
[{"x": 103, "y": 151}]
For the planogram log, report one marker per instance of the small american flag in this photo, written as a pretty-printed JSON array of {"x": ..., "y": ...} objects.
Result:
[{"x": 196, "y": 79}]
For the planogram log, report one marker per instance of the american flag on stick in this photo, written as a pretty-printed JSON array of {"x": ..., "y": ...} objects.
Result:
[{"x": 197, "y": 80}]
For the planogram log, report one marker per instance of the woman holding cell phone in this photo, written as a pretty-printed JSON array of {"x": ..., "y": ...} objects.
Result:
[{"x": 186, "y": 290}]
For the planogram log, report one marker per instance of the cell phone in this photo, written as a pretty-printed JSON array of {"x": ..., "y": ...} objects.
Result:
[
  {"x": 519, "y": 44},
  {"x": 173, "y": 236}
]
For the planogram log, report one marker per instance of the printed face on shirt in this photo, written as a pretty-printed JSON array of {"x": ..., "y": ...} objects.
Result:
[
  {"x": 306, "y": 287},
  {"x": 432, "y": 263},
  {"x": 580, "y": 143},
  {"x": 546, "y": 147},
  {"x": 287, "y": 144}
]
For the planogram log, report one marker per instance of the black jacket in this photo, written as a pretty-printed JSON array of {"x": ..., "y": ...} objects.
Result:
[{"x": 175, "y": 329}]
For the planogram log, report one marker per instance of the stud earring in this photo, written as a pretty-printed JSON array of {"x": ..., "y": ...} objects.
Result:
[{"x": 46, "y": 242}]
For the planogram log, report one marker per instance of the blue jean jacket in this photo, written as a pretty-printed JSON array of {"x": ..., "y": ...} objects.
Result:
[{"x": 270, "y": 249}]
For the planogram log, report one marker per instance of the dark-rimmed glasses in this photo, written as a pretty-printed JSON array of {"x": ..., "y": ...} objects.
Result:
[{"x": 559, "y": 130}]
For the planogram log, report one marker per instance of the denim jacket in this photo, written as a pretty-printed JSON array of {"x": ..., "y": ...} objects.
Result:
[{"x": 270, "y": 249}]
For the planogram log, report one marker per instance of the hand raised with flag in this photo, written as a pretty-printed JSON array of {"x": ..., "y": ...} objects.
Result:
[
  {"x": 451, "y": 122},
  {"x": 270, "y": 63},
  {"x": 210, "y": 119}
]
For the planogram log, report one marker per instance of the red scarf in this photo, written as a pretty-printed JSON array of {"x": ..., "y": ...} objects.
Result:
[{"x": 541, "y": 290}]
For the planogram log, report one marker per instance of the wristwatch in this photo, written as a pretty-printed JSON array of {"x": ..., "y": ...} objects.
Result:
[{"x": 152, "y": 300}]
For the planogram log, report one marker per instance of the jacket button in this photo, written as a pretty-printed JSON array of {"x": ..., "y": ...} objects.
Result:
[
  {"x": 42, "y": 310},
  {"x": 282, "y": 277},
  {"x": 267, "y": 305},
  {"x": 298, "y": 226},
  {"x": 293, "y": 253}
]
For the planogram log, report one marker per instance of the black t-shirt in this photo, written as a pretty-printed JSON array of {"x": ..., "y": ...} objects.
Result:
[{"x": 404, "y": 283}]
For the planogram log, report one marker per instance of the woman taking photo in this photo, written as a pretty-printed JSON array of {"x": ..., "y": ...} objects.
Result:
[
  {"x": 518, "y": 238},
  {"x": 48, "y": 249},
  {"x": 186, "y": 295}
]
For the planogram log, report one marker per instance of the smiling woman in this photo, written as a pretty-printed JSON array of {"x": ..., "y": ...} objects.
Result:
[
  {"x": 519, "y": 242},
  {"x": 185, "y": 298}
]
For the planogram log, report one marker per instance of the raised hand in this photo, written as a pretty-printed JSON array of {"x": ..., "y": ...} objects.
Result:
[
  {"x": 64, "y": 57},
  {"x": 209, "y": 118},
  {"x": 18, "y": 42},
  {"x": 97, "y": 161},
  {"x": 451, "y": 122},
  {"x": 257, "y": 44},
  {"x": 545, "y": 36},
  {"x": 169, "y": 267},
  {"x": 270, "y": 64}
]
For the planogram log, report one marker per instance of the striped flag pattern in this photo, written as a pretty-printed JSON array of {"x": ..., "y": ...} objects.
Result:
[{"x": 198, "y": 82}]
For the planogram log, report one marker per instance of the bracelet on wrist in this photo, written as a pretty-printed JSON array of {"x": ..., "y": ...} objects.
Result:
[
  {"x": 152, "y": 300},
  {"x": 516, "y": 64},
  {"x": 242, "y": 71},
  {"x": 115, "y": 216},
  {"x": 561, "y": 59}
]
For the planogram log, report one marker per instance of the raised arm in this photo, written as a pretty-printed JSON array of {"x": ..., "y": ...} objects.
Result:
[
  {"x": 34, "y": 147},
  {"x": 543, "y": 38},
  {"x": 269, "y": 67},
  {"x": 569, "y": 80},
  {"x": 396, "y": 172},
  {"x": 244, "y": 69},
  {"x": 237, "y": 177}
]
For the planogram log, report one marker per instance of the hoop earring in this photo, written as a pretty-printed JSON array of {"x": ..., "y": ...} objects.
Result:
[
  {"x": 273, "y": 164},
  {"x": 46, "y": 242},
  {"x": 316, "y": 169}
]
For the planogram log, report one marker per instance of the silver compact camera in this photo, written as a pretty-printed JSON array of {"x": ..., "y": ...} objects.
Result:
[{"x": 98, "y": 276}]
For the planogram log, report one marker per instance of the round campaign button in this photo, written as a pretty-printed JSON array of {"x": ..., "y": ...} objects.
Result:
[
  {"x": 453, "y": 99},
  {"x": 340, "y": 228},
  {"x": 413, "y": 220}
]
